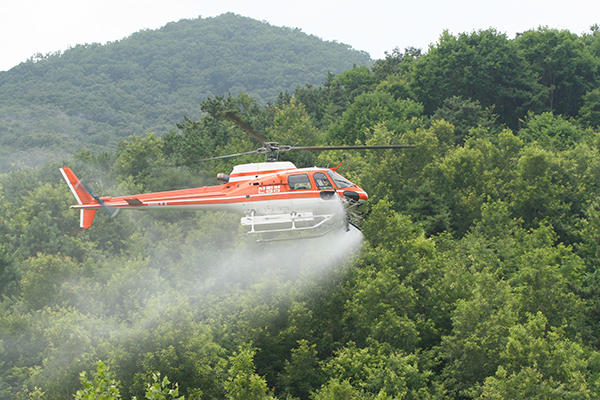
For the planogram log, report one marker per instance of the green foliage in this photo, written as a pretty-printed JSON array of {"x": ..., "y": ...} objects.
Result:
[
  {"x": 293, "y": 126},
  {"x": 396, "y": 63},
  {"x": 484, "y": 66},
  {"x": 328, "y": 102},
  {"x": 564, "y": 65},
  {"x": 464, "y": 115},
  {"x": 378, "y": 370},
  {"x": 46, "y": 281},
  {"x": 101, "y": 387},
  {"x": 302, "y": 374},
  {"x": 541, "y": 365},
  {"x": 371, "y": 109},
  {"x": 137, "y": 157},
  {"x": 243, "y": 383},
  {"x": 336, "y": 390},
  {"x": 589, "y": 112},
  {"x": 216, "y": 135},
  {"x": 160, "y": 390},
  {"x": 397, "y": 86},
  {"x": 552, "y": 132},
  {"x": 480, "y": 329},
  {"x": 25, "y": 394}
]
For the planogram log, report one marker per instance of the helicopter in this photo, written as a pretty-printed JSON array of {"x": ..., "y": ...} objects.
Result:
[{"x": 273, "y": 197}]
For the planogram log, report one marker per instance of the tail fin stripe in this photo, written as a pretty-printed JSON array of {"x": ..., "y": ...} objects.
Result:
[{"x": 62, "y": 171}]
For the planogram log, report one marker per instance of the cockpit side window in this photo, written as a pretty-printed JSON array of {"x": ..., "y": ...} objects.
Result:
[
  {"x": 299, "y": 181},
  {"x": 322, "y": 181},
  {"x": 339, "y": 180}
]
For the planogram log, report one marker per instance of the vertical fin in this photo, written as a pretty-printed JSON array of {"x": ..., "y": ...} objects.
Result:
[
  {"x": 79, "y": 191},
  {"x": 83, "y": 197}
]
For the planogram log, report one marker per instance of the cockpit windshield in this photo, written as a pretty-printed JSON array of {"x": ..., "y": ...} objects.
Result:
[{"x": 339, "y": 180}]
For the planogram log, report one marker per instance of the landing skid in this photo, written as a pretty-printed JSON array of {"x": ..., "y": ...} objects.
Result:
[
  {"x": 298, "y": 234},
  {"x": 299, "y": 226}
]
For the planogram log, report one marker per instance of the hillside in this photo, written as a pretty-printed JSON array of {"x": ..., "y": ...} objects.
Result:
[{"x": 95, "y": 95}]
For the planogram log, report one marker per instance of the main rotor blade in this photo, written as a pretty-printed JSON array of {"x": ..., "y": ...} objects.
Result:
[
  {"x": 246, "y": 127},
  {"x": 322, "y": 148},
  {"x": 261, "y": 150}
]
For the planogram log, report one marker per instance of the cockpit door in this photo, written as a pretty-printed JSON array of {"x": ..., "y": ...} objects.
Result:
[{"x": 324, "y": 185}]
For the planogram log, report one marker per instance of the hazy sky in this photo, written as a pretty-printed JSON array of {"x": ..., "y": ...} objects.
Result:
[{"x": 28, "y": 27}]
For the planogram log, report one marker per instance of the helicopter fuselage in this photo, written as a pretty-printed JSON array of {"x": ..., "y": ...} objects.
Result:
[{"x": 271, "y": 196}]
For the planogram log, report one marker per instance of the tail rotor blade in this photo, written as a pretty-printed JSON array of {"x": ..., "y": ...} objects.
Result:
[{"x": 108, "y": 210}]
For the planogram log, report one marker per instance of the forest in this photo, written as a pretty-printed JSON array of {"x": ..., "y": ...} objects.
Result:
[
  {"x": 476, "y": 273},
  {"x": 94, "y": 95}
]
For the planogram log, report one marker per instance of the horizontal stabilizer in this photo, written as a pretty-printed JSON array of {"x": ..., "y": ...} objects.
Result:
[{"x": 134, "y": 202}]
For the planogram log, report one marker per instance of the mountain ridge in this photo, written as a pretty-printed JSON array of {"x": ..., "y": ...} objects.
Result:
[{"x": 94, "y": 95}]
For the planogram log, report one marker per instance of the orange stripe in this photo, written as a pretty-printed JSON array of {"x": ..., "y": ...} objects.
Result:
[{"x": 209, "y": 200}]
